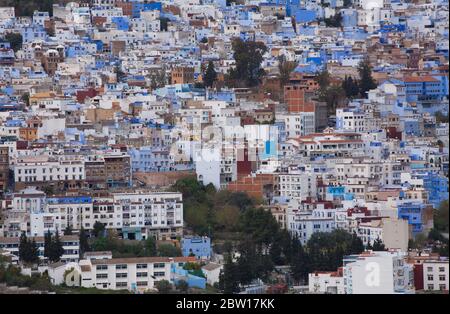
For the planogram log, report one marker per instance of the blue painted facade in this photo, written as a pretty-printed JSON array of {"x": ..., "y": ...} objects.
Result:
[
  {"x": 199, "y": 246},
  {"x": 413, "y": 213},
  {"x": 138, "y": 7},
  {"x": 178, "y": 274},
  {"x": 305, "y": 16},
  {"x": 338, "y": 193},
  {"x": 122, "y": 22},
  {"x": 437, "y": 188},
  {"x": 426, "y": 90}
]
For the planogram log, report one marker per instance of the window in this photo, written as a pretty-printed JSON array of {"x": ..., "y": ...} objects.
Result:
[
  {"x": 102, "y": 276},
  {"x": 430, "y": 277},
  {"x": 159, "y": 265},
  {"x": 102, "y": 267},
  {"x": 121, "y": 284},
  {"x": 141, "y": 274},
  {"x": 141, "y": 266},
  {"x": 121, "y": 266},
  {"x": 442, "y": 278},
  {"x": 141, "y": 283},
  {"x": 159, "y": 274},
  {"x": 121, "y": 275}
]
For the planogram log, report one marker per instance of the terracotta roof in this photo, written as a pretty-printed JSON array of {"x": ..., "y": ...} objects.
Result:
[
  {"x": 144, "y": 260},
  {"x": 37, "y": 239},
  {"x": 420, "y": 79},
  {"x": 85, "y": 268},
  {"x": 211, "y": 266},
  {"x": 56, "y": 265}
]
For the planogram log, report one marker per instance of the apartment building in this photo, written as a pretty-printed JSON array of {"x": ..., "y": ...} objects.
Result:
[
  {"x": 326, "y": 282},
  {"x": 42, "y": 171},
  {"x": 435, "y": 275},
  {"x": 59, "y": 213},
  {"x": 71, "y": 246},
  {"x": 4, "y": 168},
  {"x": 384, "y": 272},
  {"x": 393, "y": 232},
  {"x": 297, "y": 185},
  {"x": 137, "y": 274}
]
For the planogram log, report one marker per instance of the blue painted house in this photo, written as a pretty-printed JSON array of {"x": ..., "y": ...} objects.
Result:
[
  {"x": 413, "y": 212},
  {"x": 437, "y": 188},
  {"x": 199, "y": 246}
]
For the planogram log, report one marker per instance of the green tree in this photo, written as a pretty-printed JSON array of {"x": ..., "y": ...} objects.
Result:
[
  {"x": 350, "y": 87},
  {"x": 441, "y": 217},
  {"x": 347, "y": 3},
  {"x": 47, "y": 244},
  {"x": 120, "y": 75},
  {"x": 15, "y": 40},
  {"x": 163, "y": 286},
  {"x": 150, "y": 247},
  {"x": 441, "y": 118},
  {"x": 210, "y": 75},
  {"x": 366, "y": 81},
  {"x": 168, "y": 250},
  {"x": 357, "y": 245},
  {"x": 333, "y": 96},
  {"x": 323, "y": 79},
  {"x": 259, "y": 225},
  {"x": 334, "y": 21},
  {"x": 28, "y": 250},
  {"x": 252, "y": 263},
  {"x": 158, "y": 79},
  {"x": 285, "y": 69},
  {"x": 300, "y": 262},
  {"x": 326, "y": 249},
  {"x": 378, "y": 245},
  {"x": 26, "y": 98},
  {"x": 228, "y": 281},
  {"x": 182, "y": 286},
  {"x": 164, "y": 23},
  {"x": 98, "y": 229},
  {"x": 84, "y": 244},
  {"x": 248, "y": 56},
  {"x": 68, "y": 230},
  {"x": 56, "y": 248}
]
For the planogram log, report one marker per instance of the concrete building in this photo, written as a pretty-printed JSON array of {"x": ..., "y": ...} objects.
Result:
[{"x": 384, "y": 272}]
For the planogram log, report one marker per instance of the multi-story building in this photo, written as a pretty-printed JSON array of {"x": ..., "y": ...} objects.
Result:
[
  {"x": 392, "y": 231},
  {"x": 42, "y": 171},
  {"x": 326, "y": 282},
  {"x": 117, "y": 169},
  {"x": 182, "y": 75},
  {"x": 60, "y": 213},
  {"x": 200, "y": 247},
  {"x": 70, "y": 244},
  {"x": 4, "y": 168},
  {"x": 384, "y": 272},
  {"x": 304, "y": 223},
  {"x": 134, "y": 274},
  {"x": 298, "y": 185},
  {"x": 435, "y": 275}
]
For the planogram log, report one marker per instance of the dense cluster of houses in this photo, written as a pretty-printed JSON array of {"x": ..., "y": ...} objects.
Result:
[{"x": 103, "y": 106}]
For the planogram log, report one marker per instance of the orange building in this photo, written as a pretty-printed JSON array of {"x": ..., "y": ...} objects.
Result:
[
  {"x": 296, "y": 93},
  {"x": 182, "y": 75},
  {"x": 28, "y": 134},
  {"x": 258, "y": 186}
]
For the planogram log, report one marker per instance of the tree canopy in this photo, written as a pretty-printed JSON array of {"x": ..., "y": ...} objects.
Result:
[
  {"x": 366, "y": 81},
  {"x": 248, "y": 56}
]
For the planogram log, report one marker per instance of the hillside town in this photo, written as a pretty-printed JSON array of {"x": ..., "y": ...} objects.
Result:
[{"x": 224, "y": 146}]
